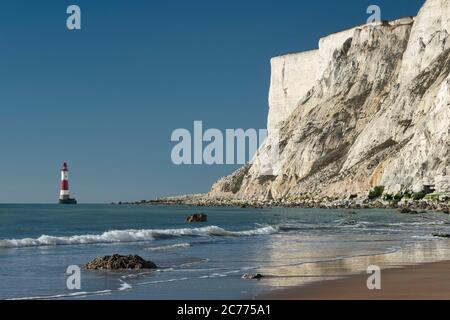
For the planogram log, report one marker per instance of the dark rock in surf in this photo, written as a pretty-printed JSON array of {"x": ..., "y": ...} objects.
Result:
[
  {"x": 407, "y": 211},
  {"x": 249, "y": 276},
  {"x": 442, "y": 235},
  {"x": 117, "y": 262},
  {"x": 200, "y": 217},
  {"x": 350, "y": 222}
]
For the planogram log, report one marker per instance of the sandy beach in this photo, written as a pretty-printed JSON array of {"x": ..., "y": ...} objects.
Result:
[{"x": 429, "y": 281}]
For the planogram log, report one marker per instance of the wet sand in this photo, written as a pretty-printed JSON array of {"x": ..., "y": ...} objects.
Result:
[{"x": 429, "y": 281}]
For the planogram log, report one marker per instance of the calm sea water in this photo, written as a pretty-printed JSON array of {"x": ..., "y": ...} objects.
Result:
[{"x": 202, "y": 261}]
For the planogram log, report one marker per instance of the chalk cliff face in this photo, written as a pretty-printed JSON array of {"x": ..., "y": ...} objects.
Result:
[{"x": 370, "y": 107}]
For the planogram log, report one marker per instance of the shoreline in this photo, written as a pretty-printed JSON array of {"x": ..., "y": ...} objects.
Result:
[
  {"x": 426, "y": 281},
  {"x": 405, "y": 206}
]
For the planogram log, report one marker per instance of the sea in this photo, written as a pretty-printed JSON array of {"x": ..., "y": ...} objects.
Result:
[{"x": 39, "y": 244}]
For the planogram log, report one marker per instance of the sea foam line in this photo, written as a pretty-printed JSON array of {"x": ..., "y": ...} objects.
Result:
[
  {"x": 126, "y": 236},
  {"x": 169, "y": 247},
  {"x": 80, "y": 294},
  {"x": 61, "y": 296}
]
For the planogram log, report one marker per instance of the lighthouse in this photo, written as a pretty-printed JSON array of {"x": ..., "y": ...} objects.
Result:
[{"x": 64, "y": 196}]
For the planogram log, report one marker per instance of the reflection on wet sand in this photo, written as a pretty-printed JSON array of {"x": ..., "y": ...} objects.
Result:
[{"x": 302, "y": 273}]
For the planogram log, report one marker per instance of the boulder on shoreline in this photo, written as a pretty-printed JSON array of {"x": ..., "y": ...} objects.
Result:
[
  {"x": 117, "y": 262},
  {"x": 199, "y": 217}
]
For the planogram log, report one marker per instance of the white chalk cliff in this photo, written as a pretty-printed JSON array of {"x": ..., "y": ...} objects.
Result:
[{"x": 370, "y": 107}]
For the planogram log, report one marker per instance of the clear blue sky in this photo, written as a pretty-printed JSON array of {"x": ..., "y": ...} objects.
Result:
[{"x": 107, "y": 98}]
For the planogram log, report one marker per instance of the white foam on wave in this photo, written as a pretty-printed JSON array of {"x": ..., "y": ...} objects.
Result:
[
  {"x": 169, "y": 247},
  {"x": 119, "y": 236},
  {"x": 124, "y": 286},
  {"x": 428, "y": 238},
  {"x": 162, "y": 281},
  {"x": 419, "y": 223},
  {"x": 212, "y": 273}
]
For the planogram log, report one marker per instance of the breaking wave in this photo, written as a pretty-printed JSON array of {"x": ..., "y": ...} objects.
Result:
[{"x": 128, "y": 236}]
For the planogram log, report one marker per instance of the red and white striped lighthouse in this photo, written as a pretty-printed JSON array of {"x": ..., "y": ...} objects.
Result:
[{"x": 64, "y": 195}]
